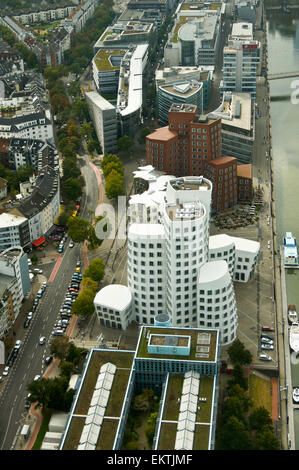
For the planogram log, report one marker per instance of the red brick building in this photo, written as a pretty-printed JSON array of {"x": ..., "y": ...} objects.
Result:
[
  {"x": 245, "y": 190},
  {"x": 191, "y": 145}
]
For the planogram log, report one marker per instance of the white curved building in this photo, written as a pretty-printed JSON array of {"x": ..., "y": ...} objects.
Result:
[
  {"x": 216, "y": 300},
  {"x": 113, "y": 305},
  {"x": 146, "y": 270},
  {"x": 240, "y": 254},
  {"x": 174, "y": 268}
]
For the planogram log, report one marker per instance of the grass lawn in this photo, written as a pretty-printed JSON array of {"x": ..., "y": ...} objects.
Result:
[
  {"x": 260, "y": 392},
  {"x": 43, "y": 429}
]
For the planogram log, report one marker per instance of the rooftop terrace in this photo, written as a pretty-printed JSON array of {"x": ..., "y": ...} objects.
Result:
[{"x": 199, "y": 338}]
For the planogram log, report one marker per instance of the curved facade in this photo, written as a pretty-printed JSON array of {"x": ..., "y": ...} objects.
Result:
[
  {"x": 113, "y": 305},
  {"x": 181, "y": 91},
  {"x": 147, "y": 270},
  {"x": 216, "y": 300}
]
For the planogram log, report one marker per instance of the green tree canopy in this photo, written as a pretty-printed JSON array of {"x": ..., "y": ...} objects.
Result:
[
  {"x": 234, "y": 435},
  {"x": 260, "y": 418},
  {"x": 117, "y": 166},
  {"x": 83, "y": 305},
  {"x": 78, "y": 229},
  {"x": 70, "y": 168},
  {"x": 114, "y": 185},
  {"x": 72, "y": 189},
  {"x": 124, "y": 143},
  {"x": 89, "y": 283},
  {"x": 95, "y": 270},
  {"x": 266, "y": 440},
  {"x": 238, "y": 354},
  {"x": 59, "y": 347}
]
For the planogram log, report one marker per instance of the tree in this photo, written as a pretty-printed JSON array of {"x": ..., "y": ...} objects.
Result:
[
  {"x": 72, "y": 189},
  {"x": 83, "y": 305},
  {"x": 143, "y": 401},
  {"x": 234, "y": 435},
  {"x": 238, "y": 377},
  {"x": 87, "y": 130},
  {"x": 70, "y": 169},
  {"x": 60, "y": 347},
  {"x": 78, "y": 229},
  {"x": 260, "y": 419},
  {"x": 108, "y": 158},
  {"x": 238, "y": 354},
  {"x": 80, "y": 109},
  {"x": 117, "y": 166},
  {"x": 89, "y": 283},
  {"x": 266, "y": 440},
  {"x": 40, "y": 392},
  {"x": 150, "y": 427},
  {"x": 114, "y": 185},
  {"x": 124, "y": 143},
  {"x": 143, "y": 133},
  {"x": 95, "y": 270}
]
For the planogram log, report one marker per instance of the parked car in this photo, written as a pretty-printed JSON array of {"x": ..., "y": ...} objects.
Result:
[
  {"x": 267, "y": 346},
  {"x": 267, "y": 328},
  {"x": 29, "y": 315},
  {"x": 6, "y": 371},
  {"x": 266, "y": 340},
  {"x": 18, "y": 344},
  {"x": 265, "y": 357},
  {"x": 26, "y": 323},
  {"x": 37, "y": 377},
  {"x": 10, "y": 361},
  {"x": 48, "y": 360}
]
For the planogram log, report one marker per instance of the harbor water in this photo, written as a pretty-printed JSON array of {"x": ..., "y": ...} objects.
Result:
[{"x": 283, "y": 56}]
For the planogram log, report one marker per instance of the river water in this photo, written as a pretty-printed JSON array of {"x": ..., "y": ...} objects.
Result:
[{"x": 283, "y": 56}]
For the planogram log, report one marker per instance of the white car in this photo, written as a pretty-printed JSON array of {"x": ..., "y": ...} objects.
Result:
[
  {"x": 42, "y": 340},
  {"x": 267, "y": 346},
  {"x": 71, "y": 245},
  {"x": 37, "y": 377},
  {"x": 29, "y": 315},
  {"x": 5, "y": 372},
  {"x": 18, "y": 344},
  {"x": 265, "y": 357}
]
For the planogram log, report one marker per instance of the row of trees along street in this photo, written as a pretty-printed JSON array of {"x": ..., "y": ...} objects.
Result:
[{"x": 241, "y": 424}]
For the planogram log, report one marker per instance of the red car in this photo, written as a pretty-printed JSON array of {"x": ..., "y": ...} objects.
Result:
[
  {"x": 267, "y": 328},
  {"x": 72, "y": 289}
]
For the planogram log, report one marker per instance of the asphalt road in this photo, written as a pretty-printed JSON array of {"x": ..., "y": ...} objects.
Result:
[{"x": 30, "y": 360}]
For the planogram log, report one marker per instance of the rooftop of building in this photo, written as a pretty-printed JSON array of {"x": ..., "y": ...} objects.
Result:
[
  {"x": 183, "y": 108},
  {"x": 223, "y": 240},
  {"x": 242, "y": 30},
  {"x": 105, "y": 59},
  {"x": 182, "y": 212},
  {"x": 9, "y": 219},
  {"x": 198, "y": 337},
  {"x": 244, "y": 171},
  {"x": 235, "y": 111},
  {"x": 222, "y": 161},
  {"x": 200, "y": 29},
  {"x": 162, "y": 134},
  {"x": 200, "y": 73},
  {"x": 99, "y": 100},
  {"x": 123, "y": 361},
  {"x": 115, "y": 296},
  {"x": 201, "y": 5},
  {"x": 183, "y": 88},
  {"x": 166, "y": 437},
  {"x": 187, "y": 183}
]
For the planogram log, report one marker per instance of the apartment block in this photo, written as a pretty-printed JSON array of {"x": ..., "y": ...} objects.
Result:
[
  {"x": 240, "y": 61},
  {"x": 103, "y": 116},
  {"x": 238, "y": 125}
]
